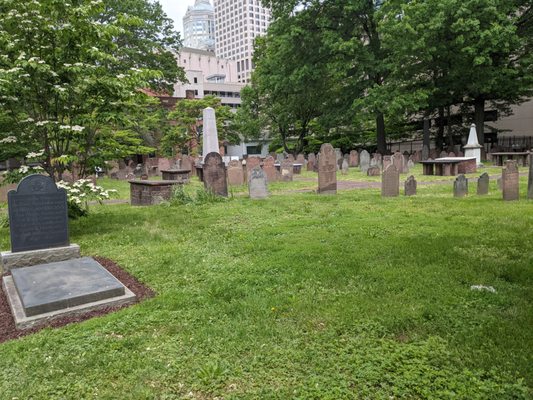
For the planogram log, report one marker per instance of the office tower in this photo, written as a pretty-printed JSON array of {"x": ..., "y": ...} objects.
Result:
[
  {"x": 199, "y": 26},
  {"x": 237, "y": 24}
]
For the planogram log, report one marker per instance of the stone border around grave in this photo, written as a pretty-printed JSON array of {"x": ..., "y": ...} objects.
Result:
[
  {"x": 10, "y": 260},
  {"x": 23, "y": 322}
]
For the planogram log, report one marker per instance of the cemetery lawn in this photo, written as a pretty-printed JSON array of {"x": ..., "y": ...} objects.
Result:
[{"x": 300, "y": 296}]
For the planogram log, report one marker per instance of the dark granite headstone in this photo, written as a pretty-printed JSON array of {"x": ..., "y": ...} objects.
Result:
[
  {"x": 390, "y": 182},
  {"x": 410, "y": 186},
  {"x": 460, "y": 186},
  {"x": 510, "y": 180},
  {"x": 327, "y": 170},
  {"x": 215, "y": 174},
  {"x": 38, "y": 215},
  {"x": 483, "y": 184}
]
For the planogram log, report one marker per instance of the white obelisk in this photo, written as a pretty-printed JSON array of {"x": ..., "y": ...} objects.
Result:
[
  {"x": 210, "y": 134},
  {"x": 473, "y": 148}
]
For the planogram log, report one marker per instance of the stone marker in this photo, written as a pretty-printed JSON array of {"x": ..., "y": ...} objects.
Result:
[
  {"x": 390, "y": 182},
  {"x": 257, "y": 184},
  {"x": 410, "y": 164},
  {"x": 398, "y": 161},
  {"x": 387, "y": 160},
  {"x": 235, "y": 173},
  {"x": 38, "y": 215},
  {"x": 311, "y": 161},
  {"x": 338, "y": 156},
  {"x": 215, "y": 174},
  {"x": 473, "y": 148},
  {"x": 344, "y": 168},
  {"x": 410, "y": 186},
  {"x": 443, "y": 154},
  {"x": 270, "y": 169},
  {"x": 327, "y": 170},
  {"x": 286, "y": 170},
  {"x": 210, "y": 134},
  {"x": 354, "y": 158},
  {"x": 251, "y": 163},
  {"x": 510, "y": 183},
  {"x": 483, "y": 184},
  {"x": 373, "y": 171},
  {"x": 364, "y": 161},
  {"x": 530, "y": 179},
  {"x": 460, "y": 186}
]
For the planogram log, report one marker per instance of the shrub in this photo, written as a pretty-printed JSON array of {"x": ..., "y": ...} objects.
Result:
[{"x": 80, "y": 193}]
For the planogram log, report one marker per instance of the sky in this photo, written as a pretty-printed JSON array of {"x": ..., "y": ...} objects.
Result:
[{"x": 175, "y": 9}]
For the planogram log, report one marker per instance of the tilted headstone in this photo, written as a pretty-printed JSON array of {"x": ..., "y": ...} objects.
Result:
[
  {"x": 390, "y": 182},
  {"x": 270, "y": 169},
  {"x": 215, "y": 174},
  {"x": 364, "y": 161},
  {"x": 286, "y": 170},
  {"x": 373, "y": 171},
  {"x": 235, "y": 173},
  {"x": 257, "y": 184},
  {"x": 354, "y": 158},
  {"x": 483, "y": 184},
  {"x": 510, "y": 181},
  {"x": 38, "y": 215},
  {"x": 530, "y": 178},
  {"x": 410, "y": 186},
  {"x": 460, "y": 186},
  {"x": 344, "y": 168},
  {"x": 327, "y": 170}
]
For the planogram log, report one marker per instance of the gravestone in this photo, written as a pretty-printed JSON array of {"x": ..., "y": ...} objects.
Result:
[
  {"x": 378, "y": 159},
  {"x": 257, "y": 184},
  {"x": 338, "y": 156},
  {"x": 410, "y": 164},
  {"x": 364, "y": 161},
  {"x": 398, "y": 160},
  {"x": 373, "y": 171},
  {"x": 483, "y": 184},
  {"x": 451, "y": 154},
  {"x": 251, "y": 163},
  {"x": 387, "y": 160},
  {"x": 443, "y": 154},
  {"x": 354, "y": 158},
  {"x": 300, "y": 159},
  {"x": 38, "y": 215},
  {"x": 510, "y": 181},
  {"x": 390, "y": 182},
  {"x": 270, "y": 169},
  {"x": 327, "y": 170},
  {"x": 460, "y": 186},
  {"x": 344, "y": 168},
  {"x": 530, "y": 178},
  {"x": 339, "y": 163},
  {"x": 286, "y": 170},
  {"x": 215, "y": 174},
  {"x": 311, "y": 160},
  {"x": 410, "y": 186},
  {"x": 210, "y": 134},
  {"x": 235, "y": 173}
]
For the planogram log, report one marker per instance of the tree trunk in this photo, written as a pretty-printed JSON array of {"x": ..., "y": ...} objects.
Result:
[
  {"x": 439, "y": 141},
  {"x": 449, "y": 131},
  {"x": 380, "y": 130},
  {"x": 479, "y": 119}
]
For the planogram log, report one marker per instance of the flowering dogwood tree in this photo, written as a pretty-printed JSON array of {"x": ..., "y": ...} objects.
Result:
[{"x": 65, "y": 95}]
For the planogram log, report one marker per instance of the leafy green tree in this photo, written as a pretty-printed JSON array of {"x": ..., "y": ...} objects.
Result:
[
  {"x": 65, "y": 91},
  {"x": 187, "y": 132}
]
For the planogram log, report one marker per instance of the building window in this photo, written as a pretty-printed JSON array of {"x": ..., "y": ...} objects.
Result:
[{"x": 195, "y": 80}]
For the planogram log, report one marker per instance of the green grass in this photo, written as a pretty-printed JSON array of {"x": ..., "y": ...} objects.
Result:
[{"x": 300, "y": 296}]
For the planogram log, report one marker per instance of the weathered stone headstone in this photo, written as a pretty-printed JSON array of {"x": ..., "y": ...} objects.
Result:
[
  {"x": 510, "y": 181},
  {"x": 339, "y": 163},
  {"x": 398, "y": 160},
  {"x": 530, "y": 178},
  {"x": 300, "y": 159},
  {"x": 215, "y": 174},
  {"x": 460, "y": 186},
  {"x": 344, "y": 168},
  {"x": 387, "y": 160},
  {"x": 257, "y": 184},
  {"x": 311, "y": 162},
  {"x": 364, "y": 161},
  {"x": 410, "y": 164},
  {"x": 483, "y": 184},
  {"x": 451, "y": 154},
  {"x": 38, "y": 215},
  {"x": 338, "y": 156},
  {"x": 270, "y": 169},
  {"x": 286, "y": 170},
  {"x": 410, "y": 186},
  {"x": 251, "y": 163},
  {"x": 390, "y": 182},
  {"x": 443, "y": 154},
  {"x": 327, "y": 170},
  {"x": 373, "y": 171},
  {"x": 354, "y": 158},
  {"x": 210, "y": 134},
  {"x": 235, "y": 173},
  {"x": 433, "y": 154}
]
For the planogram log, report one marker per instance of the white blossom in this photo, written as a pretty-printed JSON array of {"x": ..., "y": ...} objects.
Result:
[{"x": 9, "y": 139}]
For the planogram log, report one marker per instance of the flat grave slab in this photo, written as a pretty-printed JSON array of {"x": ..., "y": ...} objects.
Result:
[{"x": 61, "y": 285}]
